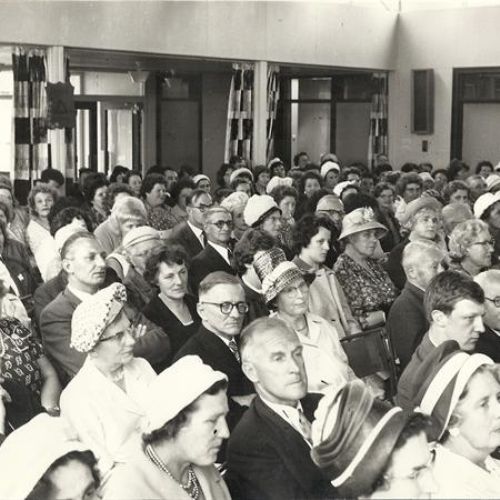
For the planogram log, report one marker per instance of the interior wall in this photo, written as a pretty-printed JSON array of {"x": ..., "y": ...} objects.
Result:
[
  {"x": 441, "y": 40},
  {"x": 295, "y": 32}
]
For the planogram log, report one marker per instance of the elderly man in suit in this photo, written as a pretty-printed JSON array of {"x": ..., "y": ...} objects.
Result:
[
  {"x": 269, "y": 450},
  {"x": 190, "y": 233},
  {"x": 216, "y": 256}
]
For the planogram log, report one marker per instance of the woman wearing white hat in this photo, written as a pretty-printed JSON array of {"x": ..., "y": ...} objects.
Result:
[
  {"x": 181, "y": 439},
  {"x": 202, "y": 181},
  {"x": 60, "y": 466},
  {"x": 104, "y": 401},
  {"x": 366, "y": 284},
  {"x": 487, "y": 208}
]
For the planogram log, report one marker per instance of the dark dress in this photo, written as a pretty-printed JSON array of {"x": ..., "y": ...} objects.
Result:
[{"x": 158, "y": 312}]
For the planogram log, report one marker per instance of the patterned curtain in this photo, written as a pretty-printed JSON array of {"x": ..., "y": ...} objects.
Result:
[
  {"x": 239, "y": 126},
  {"x": 30, "y": 113},
  {"x": 273, "y": 97},
  {"x": 378, "y": 143}
]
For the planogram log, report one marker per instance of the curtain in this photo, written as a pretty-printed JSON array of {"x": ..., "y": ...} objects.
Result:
[
  {"x": 273, "y": 96},
  {"x": 378, "y": 142},
  {"x": 239, "y": 126},
  {"x": 30, "y": 113},
  {"x": 69, "y": 140}
]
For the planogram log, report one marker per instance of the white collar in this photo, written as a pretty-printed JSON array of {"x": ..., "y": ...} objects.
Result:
[
  {"x": 197, "y": 231},
  {"x": 79, "y": 293}
]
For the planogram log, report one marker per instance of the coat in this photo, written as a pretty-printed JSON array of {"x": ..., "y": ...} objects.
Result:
[
  {"x": 107, "y": 420},
  {"x": 394, "y": 267},
  {"x": 108, "y": 235},
  {"x": 407, "y": 323},
  {"x": 183, "y": 235},
  {"x": 139, "y": 478},
  {"x": 489, "y": 344},
  {"x": 269, "y": 460},
  {"x": 206, "y": 262},
  {"x": 47, "y": 292}
]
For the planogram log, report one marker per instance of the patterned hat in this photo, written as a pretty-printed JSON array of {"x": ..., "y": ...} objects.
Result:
[
  {"x": 361, "y": 219},
  {"x": 95, "y": 314},
  {"x": 353, "y": 437}
]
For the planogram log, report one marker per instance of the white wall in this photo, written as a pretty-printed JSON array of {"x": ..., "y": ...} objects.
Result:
[
  {"x": 294, "y": 32},
  {"x": 441, "y": 40}
]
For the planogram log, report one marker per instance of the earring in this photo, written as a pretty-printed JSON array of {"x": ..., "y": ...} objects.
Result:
[{"x": 454, "y": 431}]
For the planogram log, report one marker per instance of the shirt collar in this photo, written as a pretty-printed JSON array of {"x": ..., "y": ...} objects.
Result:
[
  {"x": 78, "y": 293},
  {"x": 222, "y": 251},
  {"x": 197, "y": 231}
]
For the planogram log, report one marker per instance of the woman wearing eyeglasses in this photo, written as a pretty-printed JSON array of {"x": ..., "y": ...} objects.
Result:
[
  {"x": 462, "y": 394},
  {"x": 471, "y": 247},
  {"x": 104, "y": 400}
]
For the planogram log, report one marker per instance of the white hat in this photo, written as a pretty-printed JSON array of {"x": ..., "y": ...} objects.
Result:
[
  {"x": 328, "y": 166},
  {"x": 361, "y": 219},
  {"x": 492, "y": 181},
  {"x": 275, "y": 161},
  {"x": 40, "y": 442},
  {"x": 175, "y": 388},
  {"x": 496, "y": 168},
  {"x": 426, "y": 176},
  {"x": 277, "y": 182},
  {"x": 337, "y": 190},
  {"x": 235, "y": 201},
  {"x": 63, "y": 233},
  {"x": 330, "y": 202},
  {"x": 484, "y": 202},
  {"x": 200, "y": 177},
  {"x": 240, "y": 171},
  {"x": 257, "y": 207},
  {"x": 139, "y": 235}
]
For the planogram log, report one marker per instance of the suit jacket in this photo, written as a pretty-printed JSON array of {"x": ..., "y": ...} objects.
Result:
[
  {"x": 269, "y": 460},
  {"x": 489, "y": 344},
  {"x": 184, "y": 235},
  {"x": 206, "y": 262},
  {"x": 47, "y": 292},
  {"x": 407, "y": 323},
  {"x": 394, "y": 267}
]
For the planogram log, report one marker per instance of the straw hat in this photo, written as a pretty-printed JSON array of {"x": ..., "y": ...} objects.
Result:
[{"x": 361, "y": 219}]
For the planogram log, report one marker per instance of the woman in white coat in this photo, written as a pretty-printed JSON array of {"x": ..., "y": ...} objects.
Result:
[{"x": 104, "y": 402}]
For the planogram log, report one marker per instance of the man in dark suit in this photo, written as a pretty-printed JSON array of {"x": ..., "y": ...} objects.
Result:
[
  {"x": 454, "y": 306},
  {"x": 489, "y": 340},
  {"x": 216, "y": 256},
  {"x": 190, "y": 234},
  {"x": 222, "y": 309},
  {"x": 407, "y": 322},
  {"x": 269, "y": 450}
]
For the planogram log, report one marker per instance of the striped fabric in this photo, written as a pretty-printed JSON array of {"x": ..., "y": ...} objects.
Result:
[
  {"x": 273, "y": 96},
  {"x": 30, "y": 113},
  {"x": 239, "y": 126},
  {"x": 378, "y": 142}
]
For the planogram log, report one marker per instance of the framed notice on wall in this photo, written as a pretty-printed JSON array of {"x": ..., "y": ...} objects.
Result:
[
  {"x": 422, "y": 101},
  {"x": 60, "y": 105}
]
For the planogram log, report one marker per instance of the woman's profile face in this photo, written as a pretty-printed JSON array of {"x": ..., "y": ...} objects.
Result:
[
  {"x": 479, "y": 413},
  {"x": 364, "y": 242},
  {"x": 73, "y": 480},
  {"x": 117, "y": 342}
]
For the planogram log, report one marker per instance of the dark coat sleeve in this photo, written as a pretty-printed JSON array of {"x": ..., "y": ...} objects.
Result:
[{"x": 394, "y": 267}]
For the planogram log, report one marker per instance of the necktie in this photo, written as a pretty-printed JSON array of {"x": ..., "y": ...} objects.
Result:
[
  {"x": 229, "y": 256},
  {"x": 305, "y": 426},
  {"x": 233, "y": 347},
  {"x": 203, "y": 239}
]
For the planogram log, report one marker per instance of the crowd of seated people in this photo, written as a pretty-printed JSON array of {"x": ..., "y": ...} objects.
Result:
[{"x": 168, "y": 335}]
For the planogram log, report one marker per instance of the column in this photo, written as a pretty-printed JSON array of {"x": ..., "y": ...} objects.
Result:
[{"x": 260, "y": 113}]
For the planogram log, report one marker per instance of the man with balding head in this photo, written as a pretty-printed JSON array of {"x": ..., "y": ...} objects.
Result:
[
  {"x": 489, "y": 340},
  {"x": 269, "y": 450},
  {"x": 407, "y": 323},
  {"x": 216, "y": 256}
]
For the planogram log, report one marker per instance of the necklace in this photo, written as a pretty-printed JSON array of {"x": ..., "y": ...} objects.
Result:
[{"x": 192, "y": 487}]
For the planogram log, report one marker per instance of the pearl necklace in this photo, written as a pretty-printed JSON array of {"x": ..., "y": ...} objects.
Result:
[{"x": 192, "y": 488}]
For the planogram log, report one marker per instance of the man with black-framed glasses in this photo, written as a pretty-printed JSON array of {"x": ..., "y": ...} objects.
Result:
[
  {"x": 222, "y": 309},
  {"x": 216, "y": 256},
  {"x": 489, "y": 340}
]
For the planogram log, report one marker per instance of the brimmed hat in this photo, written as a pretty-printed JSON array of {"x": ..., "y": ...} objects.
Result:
[
  {"x": 443, "y": 382},
  {"x": 41, "y": 441},
  {"x": 337, "y": 190},
  {"x": 277, "y": 182},
  {"x": 484, "y": 202},
  {"x": 243, "y": 171},
  {"x": 416, "y": 205},
  {"x": 94, "y": 314},
  {"x": 199, "y": 177},
  {"x": 492, "y": 181},
  {"x": 330, "y": 202},
  {"x": 361, "y": 219},
  {"x": 350, "y": 448},
  {"x": 140, "y": 235},
  {"x": 183, "y": 383},
  {"x": 328, "y": 166},
  {"x": 259, "y": 206},
  {"x": 276, "y": 273}
]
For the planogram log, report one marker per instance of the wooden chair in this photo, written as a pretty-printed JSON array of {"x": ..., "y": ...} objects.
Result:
[{"x": 370, "y": 352}]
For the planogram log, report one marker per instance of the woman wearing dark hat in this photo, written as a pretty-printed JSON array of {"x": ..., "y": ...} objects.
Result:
[
  {"x": 104, "y": 401},
  {"x": 370, "y": 449},
  {"x": 366, "y": 284},
  {"x": 285, "y": 290},
  {"x": 462, "y": 394}
]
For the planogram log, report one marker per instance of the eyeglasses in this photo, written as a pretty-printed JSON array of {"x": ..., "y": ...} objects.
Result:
[
  {"x": 415, "y": 474},
  {"x": 490, "y": 243},
  {"x": 227, "y": 307},
  {"x": 496, "y": 301},
  {"x": 221, "y": 223},
  {"x": 203, "y": 208}
]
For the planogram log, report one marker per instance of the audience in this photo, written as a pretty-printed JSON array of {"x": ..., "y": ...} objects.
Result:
[
  {"x": 235, "y": 203},
  {"x": 133, "y": 179},
  {"x": 154, "y": 193},
  {"x": 180, "y": 193},
  {"x": 95, "y": 191}
]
